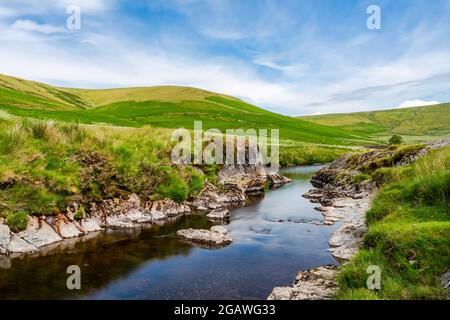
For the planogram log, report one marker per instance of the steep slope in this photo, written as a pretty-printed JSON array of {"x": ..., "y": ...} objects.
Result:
[{"x": 163, "y": 106}]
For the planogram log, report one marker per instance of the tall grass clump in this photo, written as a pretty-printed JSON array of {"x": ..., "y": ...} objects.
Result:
[
  {"x": 17, "y": 221},
  {"x": 11, "y": 140},
  {"x": 172, "y": 186},
  {"x": 43, "y": 130},
  {"x": 74, "y": 132}
]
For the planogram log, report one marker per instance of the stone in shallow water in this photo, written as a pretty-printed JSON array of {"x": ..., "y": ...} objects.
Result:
[
  {"x": 216, "y": 236},
  {"x": 277, "y": 180},
  {"x": 219, "y": 229},
  {"x": 314, "y": 284},
  {"x": 219, "y": 214},
  {"x": 261, "y": 229}
]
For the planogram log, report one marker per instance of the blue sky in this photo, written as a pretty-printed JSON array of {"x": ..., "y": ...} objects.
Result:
[{"x": 292, "y": 57}]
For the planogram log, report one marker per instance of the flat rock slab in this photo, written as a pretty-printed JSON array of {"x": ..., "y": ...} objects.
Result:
[
  {"x": 67, "y": 229},
  {"x": 90, "y": 225},
  {"x": 18, "y": 245},
  {"x": 216, "y": 236},
  {"x": 39, "y": 236},
  {"x": 314, "y": 284}
]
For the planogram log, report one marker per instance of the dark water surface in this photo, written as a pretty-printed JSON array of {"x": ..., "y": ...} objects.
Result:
[{"x": 274, "y": 237}]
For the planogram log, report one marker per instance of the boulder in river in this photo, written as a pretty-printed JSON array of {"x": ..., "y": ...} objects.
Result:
[
  {"x": 216, "y": 236},
  {"x": 213, "y": 198},
  {"x": 219, "y": 214},
  {"x": 314, "y": 284},
  {"x": 277, "y": 180}
]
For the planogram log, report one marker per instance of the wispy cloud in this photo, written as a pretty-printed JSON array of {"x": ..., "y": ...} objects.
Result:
[{"x": 32, "y": 26}]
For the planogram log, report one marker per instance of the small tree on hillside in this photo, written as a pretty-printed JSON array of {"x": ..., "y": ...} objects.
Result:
[{"x": 395, "y": 139}]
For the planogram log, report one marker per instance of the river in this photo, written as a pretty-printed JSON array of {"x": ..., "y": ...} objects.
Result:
[{"x": 275, "y": 236}]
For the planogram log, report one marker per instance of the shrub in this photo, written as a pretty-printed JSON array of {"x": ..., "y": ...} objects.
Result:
[
  {"x": 74, "y": 132},
  {"x": 44, "y": 130},
  {"x": 11, "y": 140},
  {"x": 80, "y": 214},
  {"x": 395, "y": 139},
  {"x": 361, "y": 177},
  {"x": 196, "y": 181},
  {"x": 37, "y": 200},
  {"x": 17, "y": 221},
  {"x": 173, "y": 186},
  {"x": 388, "y": 175}
]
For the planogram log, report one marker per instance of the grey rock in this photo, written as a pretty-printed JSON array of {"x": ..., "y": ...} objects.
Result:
[
  {"x": 276, "y": 180},
  {"x": 219, "y": 214},
  {"x": 18, "y": 245},
  {"x": 167, "y": 208},
  {"x": 445, "y": 280},
  {"x": 39, "y": 233},
  {"x": 214, "y": 237},
  {"x": 314, "y": 284},
  {"x": 5, "y": 237},
  {"x": 90, "y": 225},
  {"x": 219, "y": 229},
  {"x": 66, "y": 228}
]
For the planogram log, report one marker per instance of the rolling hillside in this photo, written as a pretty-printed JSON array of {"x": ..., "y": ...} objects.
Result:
[
  {"x": 432, "y": 121},
  {"x": 164, "y": 106}
]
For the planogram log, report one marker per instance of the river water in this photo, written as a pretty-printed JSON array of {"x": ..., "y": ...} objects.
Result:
[{"x": 275, "y": 236}]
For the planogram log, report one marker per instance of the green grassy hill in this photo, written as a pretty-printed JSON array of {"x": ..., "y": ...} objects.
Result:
[
  {"x": 163, "y": 106},
  {"x": 432, "y": 121}
]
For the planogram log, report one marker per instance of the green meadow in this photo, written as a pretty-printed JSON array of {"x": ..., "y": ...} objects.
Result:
[
  {"x": 167, "y": 107},
  {"x": 414, "y": 124},
  {"x": 59, "y": 145}
]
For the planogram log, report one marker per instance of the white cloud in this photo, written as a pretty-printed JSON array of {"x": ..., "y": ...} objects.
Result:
[
  {"x": 305, "y": 76},
  {"x": 32, "y": 26},
  {"x": 416, "y": 103}
]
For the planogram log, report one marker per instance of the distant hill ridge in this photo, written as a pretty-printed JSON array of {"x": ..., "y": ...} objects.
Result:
[
  {"x": 426, "y": 120},
  {"x": 161, "y": 106}
]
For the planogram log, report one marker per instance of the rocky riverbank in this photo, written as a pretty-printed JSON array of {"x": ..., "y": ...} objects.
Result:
[
  {"x": 236, "y": 183},
  {"x": 344, "y": 195}
]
